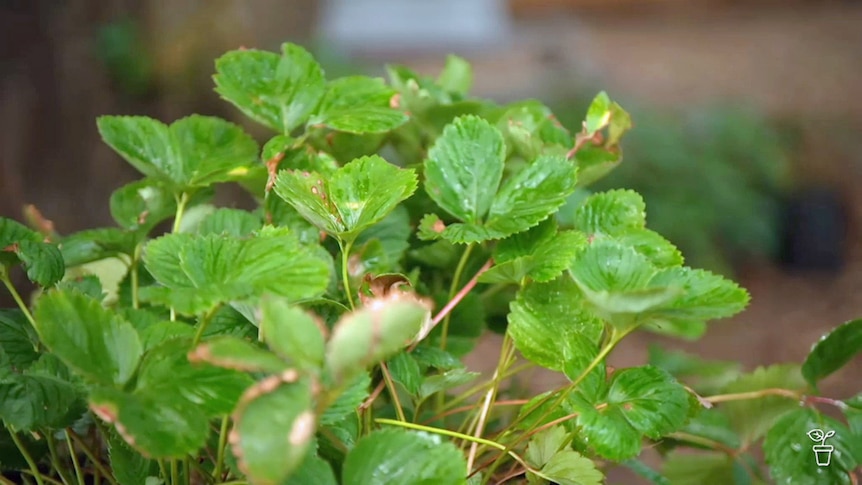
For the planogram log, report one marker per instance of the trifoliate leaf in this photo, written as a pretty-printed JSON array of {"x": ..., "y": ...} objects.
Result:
[
  {"x": 397, "y": 456},
  {"x": 192, "y": 152},
  {"x": 794, "y": 458},
  {"x": 549, "y": 326},
  {"x": 752, "y": 418},
  {"x": 531, "y": 129},
  {"x": 568, "y": 467},
  {"x": 833, "y": 351},
  {"x": 354, "y": 198},
  {"x": 19, "y": 245},
  {"x": 544, "y": 445},
  {"x": 198, "y": 272},
  {"x": 465, "y": 167},
  {"x": 93, "y": 341},
  {"x": 275, "y": 426},
  {"x": 611, "y": 213},
  {"x": 279, "y": 92},
  {"x": 638, "y": 401}
]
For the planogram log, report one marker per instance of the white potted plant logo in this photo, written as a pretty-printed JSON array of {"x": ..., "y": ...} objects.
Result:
[{"x": 822, "y": 452}]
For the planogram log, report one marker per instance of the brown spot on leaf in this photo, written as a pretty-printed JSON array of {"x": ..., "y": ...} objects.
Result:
[
  {"x": 142, "y": 217},
  {"x": 272, "y": 169},
  {"x": 105, "y": 412},
  {"x": 201, "y": 353},
  {"x": 290, "y": 376},
  {"x": 395, "y": 101},
  {"x": 12, "y": 248}
]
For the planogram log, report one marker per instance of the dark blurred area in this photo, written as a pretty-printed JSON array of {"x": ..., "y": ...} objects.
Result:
[{"x": 747, "y": 117}]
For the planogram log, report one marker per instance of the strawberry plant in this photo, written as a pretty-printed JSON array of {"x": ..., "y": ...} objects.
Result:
[{"x": 318, "y": 339}]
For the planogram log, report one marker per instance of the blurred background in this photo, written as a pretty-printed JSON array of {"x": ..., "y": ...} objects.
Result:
[{"x": 747, "y": 144}]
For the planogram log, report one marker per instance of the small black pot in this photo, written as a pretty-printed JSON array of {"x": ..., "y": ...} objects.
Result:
[{"x": 815, "y": 230}]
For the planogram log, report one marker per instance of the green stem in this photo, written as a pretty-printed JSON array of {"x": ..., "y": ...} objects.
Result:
[
  {"x": 203, "y": 324},
  {"x": 345, "y": 274},
  {"x": 40, "y": 476},
  {"x": 506, "y": 354},
  {"x": 55, "y": 459},
  {"x": 163, "y": 470},
  {"x": 393, "y": 391},
  {"x": 17, "y": 297},
  {"x": 34, "y": 469},
  {"x": 91, "y": 455},
  {"x": 74, "y": 457},
  {"x": 175, "y": 471},
  {"x": 187, "y": 469},
  {"x": 453, "y": 290},
  {"x": 182, "y": 201},
  {"x": 222, "y": 446},
  {"x": 136, "y": 257}
]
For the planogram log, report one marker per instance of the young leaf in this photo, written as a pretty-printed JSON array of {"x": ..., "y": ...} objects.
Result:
[
  {"x": 358, "y": 104},
  {"x": 705, "y": 296},
  {"x": 354, "y": 198},
  {"x": 457, "y": 75},
  {"x": 374, "y": 333},
  {"x": 91, "y": 340},
  {"x": 549, "y": 327},
  {"x": 192, "y": 152},
  {"x": 832, "y": 351},
  {"x": 598, "y": 114},
  {"x": 465, "y": 167},
  {"x": 544, "y": 445},
  {"x": 274, "y": 427},
  {"x": 639, "y": 401},
  {"x": 279, "y": 92},
  {"x": 198, "y": 272},
  {"x": 234, "y": 353},
  {"x": 142, "y": 204},
  {"x": 397, "y": 456},
  {"x": 292, "y": 333},
  {"x": 754, "y": 417},
  {"x": 19, "y": 245},
  {"x": 793, "y": 457}
]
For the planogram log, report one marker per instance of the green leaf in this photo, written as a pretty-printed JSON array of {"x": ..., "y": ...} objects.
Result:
[
  {"x": 154, "y": 335},
  {"x": 549, "y": 327},
  {"x": 275, "y": 426},
  {"x": 43, "y": 396},
  {"x": 17, "y": 342},
  {"x": 142, "y": 204},
  {"x": 397, "y": 456},
  {"x": 91, "y": 340},
  {"x": 358, "y": 104},
  {"x": 642, "y": 470},
  {"x": 685, "y": 468},
  {"x": 96, "y": 244},
  {"x": 833, "y": 351},
  {"x": 373, "y": 333},
  {"x": 393, "y": 232},
  {"x": 234, "y": 353},
  {"x": 594, "y": 163},
  {"x": 192, "y": 152},
  {"x": 754, "y": 417},
  {"x": 129, "y": 466},
  {"x": 293, "y": 333},
  {"x": 791, "y": 454},
  {"x": 705, "y": 296},
  {"x": 704, "y": 376},
  {"x": 465, "y": 167},
  {"x": 19, "y": 245},
  {"x": 543, "y": 262},
  {"x": 611, "y": 213},
  {"x": 354, "y": 198},
  {"x": 639, "y": 401},
  {"x": 457, "y": 75},
  {"x": 89, "y": 285},
  {"x": 233, "y": 222},
  {"x": 569, "y": 467},
  {"x": 660, "y": 252},
  {"x": 598, "y": 114},
  {"x": 447, "y": 380},
  {"x": 853, "y": 412},
  {"x": 544, "y": 445},
  {"x": 532, "y": 194},
  {"x": 279, "y": 92},
  {"x": 198, "y": 272},
  {"x": 406, "y": 371},
  {"x": 347, "y": 401},
  {"x": 166, "y": 414},
  {"x": 313, "y": 470}
]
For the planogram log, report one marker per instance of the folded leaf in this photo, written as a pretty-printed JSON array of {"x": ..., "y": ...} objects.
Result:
[{"x": 833, "y": 351}]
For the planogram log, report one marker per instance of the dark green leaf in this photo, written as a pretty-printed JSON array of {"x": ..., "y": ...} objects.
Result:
[
  {"x": 465, "y": 167},
  {"x": 406, "y": 371},
  {"x": 397, "y": 457},
  {"x": 129, "y": 466},
  {"x": 348, "y": 401},
  {"x": 89, "y": 285},
  {"x": 192, "y": 152},
  {"x": 275, "y": 426},
  {"x": 162, "y": 331},
  {"x": 18, "y": 244},
  {"x": 314, "y": 470},
  {"x": 95, "y": 244},
  {"x": 17, "y": 341},
  {"x": 43, "y": 396},
  {"x": 793, "y": 457},
  {"x": 279, "y": 92},
  {"x": 354, "y": 198},
  {"x": 91, "y": 340},
  {"x": 833, "y": 351},
  {"x": 143, "y": 203},
  {"x": 198, "y": 272}
]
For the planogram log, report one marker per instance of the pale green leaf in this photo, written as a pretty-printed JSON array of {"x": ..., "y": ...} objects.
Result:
[
  {"x": 569, "y": 467},
  {"x": 93, "y": 341},
  {"x": 464, "y": 168},
  {"x": 833, "y": 351},
  {"x": 233, "y": 353},
  {"x": 544, "y": 445},
  {"x": 447, "y": 380},
  {"x": 598, "y": 114},
  {"x": 457, "y": 75},
  {"x": 233, "y": 222},
  {"x": 397, "y": 457},
  {"x": 354, "y": 198},
  {"x": 275, "y": 427},
  {"x": 279, "y": 92}
]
